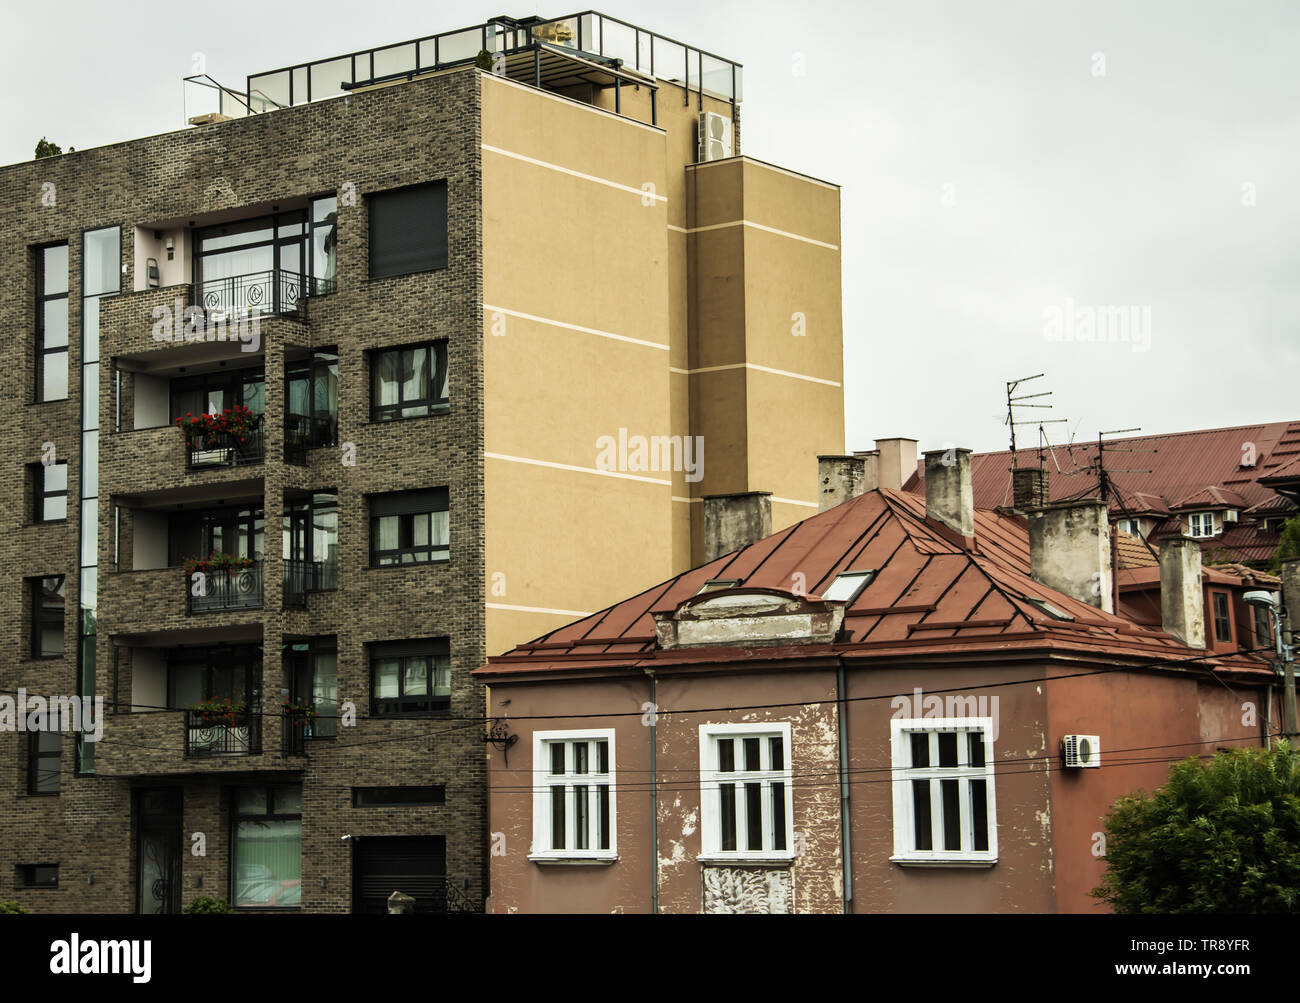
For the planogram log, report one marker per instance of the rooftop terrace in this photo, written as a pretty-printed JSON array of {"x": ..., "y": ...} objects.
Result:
[{"x": 580, "y": 49}]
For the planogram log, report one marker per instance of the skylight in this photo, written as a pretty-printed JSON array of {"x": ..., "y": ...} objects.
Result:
[
  {"x": 848, "y": 584},
  {"x": 713, "y": 584},
  {"x": 1050, "y": 610}
]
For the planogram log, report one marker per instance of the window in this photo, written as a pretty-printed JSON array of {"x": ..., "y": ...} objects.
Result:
[
  {"x": 44, "y": 753},
  {"x": 267, "y": 845},
  {"x": 409, "y": 527},
  {"x": 1200, "y": 524},
  {"x": 38, "y": 875},
  {"x": 410, "y": 677},
  {"x": 312, "y": 388},
  {"x": 310, "y": 543},
  {"x": 715, "y": 584},
  {"x": 1222, "y": 625},
  {"x": 408, "y": 230},
  {"x": 1131, "y": 526},
  {"x": 212, "y": 393},
  {"x": 943, "y": 791},
  {"x": 745, "y": 789},
  {"x": 48, "y": 595},
  {"x": 313, "y": 671},
  {"x": 1263, "y": 628},
  {"x": 50, "y": 491},
  {"x": 847, "y": 585},
  {"x": 52, "y": 323},
  {"x": 573, "y": 795},
  {"x": 239, "y": 532},
  {"x": 407, "y": 797},
  {"x": 408, "y": 382}
]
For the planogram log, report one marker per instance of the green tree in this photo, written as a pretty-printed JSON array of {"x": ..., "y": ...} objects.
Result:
[
  {"x": 44, "y": 148},
  {"x": 1288, "y": 548},
  {"x": 1219, "y": 837},
  {"x": 12, "y": 909},
  {"x": 483, "y": 60}
]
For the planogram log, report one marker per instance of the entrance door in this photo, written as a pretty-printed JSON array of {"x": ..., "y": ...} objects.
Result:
[
  {"x": 158, "y": 852},
  {"x": 413, "y": 865}
]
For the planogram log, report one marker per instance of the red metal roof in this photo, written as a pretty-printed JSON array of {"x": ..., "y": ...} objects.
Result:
[
  {"x": 1163, "y": 471},
  {"x": 929, "y": 596}
]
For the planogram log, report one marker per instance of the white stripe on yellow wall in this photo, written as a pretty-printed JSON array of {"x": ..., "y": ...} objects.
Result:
[
  {"x": 580, "y": 470},
  {"x": 757, "y": 368},
  {"x": 537, "y": 609},
  {"x": 573, "y": 327},
  {"x": 638, "y": 192}
]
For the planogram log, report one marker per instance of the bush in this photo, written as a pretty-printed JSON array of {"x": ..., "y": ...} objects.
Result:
[
  {"x": 208, "y": 904},
  {"x": 1219, "y": 837},
  {"x": 12, "y": 909}
]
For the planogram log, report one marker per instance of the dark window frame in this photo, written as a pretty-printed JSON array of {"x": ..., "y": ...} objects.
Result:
[
  {"x": 407, "y": 507},
  {"x": 241, "y": 519},
  {"x": 419, "y": 705},
  {"x": 231, "y": 381},
  {"x": 1222, "y": 617},
  {"x": 420, "y": 796},
  {"x": 385, "y": 252},
  {"x": 40, "y": 494},
  {"x": 436, "y": 375},
  {"x": 42, "y": 352},
  {"x": 39, "y": 616},
  {"x": 270, "y": 815},
  {"x": 27, "y": 873},
  {"x": 41, "y": 747}
]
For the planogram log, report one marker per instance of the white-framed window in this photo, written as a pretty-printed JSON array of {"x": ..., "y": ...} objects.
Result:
[
  {"x": 746, "y": 802},
  {"x": 1200, "y": 524},
  {"x": 944, "y": 811},
  {"x": 1131, "y": 526},
  {"x": 573, "y": 796}
]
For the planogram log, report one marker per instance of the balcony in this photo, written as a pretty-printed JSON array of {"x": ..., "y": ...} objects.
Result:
[
  {"x": 270, "y": 292},
  {"x": 213, "y": 733},
  {"x": 224, "y": 589},
  {"x": 206, "y": 449},
  {"x": 303, "y": 432},
  {"x": 302, "y": 577}
]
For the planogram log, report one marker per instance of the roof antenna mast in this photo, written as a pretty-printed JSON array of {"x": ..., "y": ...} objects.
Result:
[{"x": 1014, "y": 402}]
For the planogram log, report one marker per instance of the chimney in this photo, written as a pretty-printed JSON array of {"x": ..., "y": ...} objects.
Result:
[
  {"x": 1069, "y": 550},
  {"x": 1030, "y": 488},
  {"x": 949, "y": 500},
  {"x": 735, "y": 521},
  {"x": 1182, "y": 599},
  {"x": 839, "y": 478},
  {"x": 897, "y": 462},
  {"x": 870, "y": 468}
]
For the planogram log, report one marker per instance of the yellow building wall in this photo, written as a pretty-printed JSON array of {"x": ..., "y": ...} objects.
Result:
[{"x": 576, "y": 347}]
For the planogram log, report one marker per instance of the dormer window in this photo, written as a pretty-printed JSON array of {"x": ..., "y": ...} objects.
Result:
[
  {"x": 1200, "y": 524},
  {"x": 1133, "y": 527},
  {"x": 848, "y": 584}
]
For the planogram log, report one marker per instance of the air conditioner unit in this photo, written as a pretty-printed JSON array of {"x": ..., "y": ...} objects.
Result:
[
  {"x": 715, "y": 137},
  {"x": 1230, "y": 515},
  {"x": 1081, "y": 751}
]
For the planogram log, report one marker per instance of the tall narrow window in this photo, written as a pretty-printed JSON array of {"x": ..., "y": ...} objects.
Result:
[
  {"x": 943, "y": 791},
  {"x": 47, "y": 616},
  {"x": 50, "y": 491},
  {"x": 1222, "y": 622},
  {"x": 267, "y": 868},
  {"x": 573, "y": 795},
  {"x": 44, "y": 754},
  {"x": 52, "y": 323},
  {"x": 745, "y": 788}
]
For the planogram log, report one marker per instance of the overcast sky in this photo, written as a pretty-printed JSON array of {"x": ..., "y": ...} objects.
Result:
[{"x": 1011, "y": 171}]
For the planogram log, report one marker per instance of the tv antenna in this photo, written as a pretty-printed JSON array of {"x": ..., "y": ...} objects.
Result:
[{"x": 1014, "y": 402}]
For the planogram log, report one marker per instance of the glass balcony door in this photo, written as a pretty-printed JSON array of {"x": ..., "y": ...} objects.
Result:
[{"x": 252, "y": 264}]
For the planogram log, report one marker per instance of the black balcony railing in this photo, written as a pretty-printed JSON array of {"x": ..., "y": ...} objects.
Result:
[
  {"x": 301, "y": 577},
  {"x": 272, "y": 292},
  {"x": 226, "y": 449},
  {"x": 210, "y": 733},
  {"x": 303, "y": 432},
  {"x": 293, "y": 734},
  {"x": 225, "y": 589}
]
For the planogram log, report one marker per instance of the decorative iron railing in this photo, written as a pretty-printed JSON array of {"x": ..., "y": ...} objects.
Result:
[
  {"x": 272, "y": 292},
  {"x": 225, "y": 589},
  {"x": 209, "y": 733},
  {"x": 303, "y": 432},
  {"x": 302, "y": 577},
  {"x": 226, "y": 449}
]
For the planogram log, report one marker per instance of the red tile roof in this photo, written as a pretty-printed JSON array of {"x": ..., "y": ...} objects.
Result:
[
  {"x": 929, "y": 596},
  {"x": 1210, "y": 497}
]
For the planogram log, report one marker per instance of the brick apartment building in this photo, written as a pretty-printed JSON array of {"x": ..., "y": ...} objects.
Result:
[{"x": 468, "y": 282}]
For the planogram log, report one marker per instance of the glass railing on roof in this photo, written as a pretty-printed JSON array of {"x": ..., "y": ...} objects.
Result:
[{"x": 588, "y": 33}]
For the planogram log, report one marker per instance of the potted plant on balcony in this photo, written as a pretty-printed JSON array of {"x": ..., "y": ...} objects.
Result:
[
  {"x": 217, "y": 562},
  {"x": 213, "y": 711},
  {"x": 303, "y": 711},
  {"x": 210, "y": 437}
]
